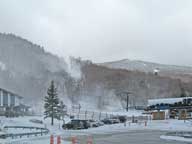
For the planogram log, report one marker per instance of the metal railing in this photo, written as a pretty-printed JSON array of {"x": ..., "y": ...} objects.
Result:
[{"x": 41, "y": 132}]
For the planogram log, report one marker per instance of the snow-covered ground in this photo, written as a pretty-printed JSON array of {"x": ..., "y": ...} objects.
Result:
[
  {"x": 165, "y": 125},
  {"x": 176, "y": 138}
]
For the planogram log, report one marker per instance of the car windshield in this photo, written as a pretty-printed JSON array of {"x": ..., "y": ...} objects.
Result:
[{"x": 95, "y": 71}]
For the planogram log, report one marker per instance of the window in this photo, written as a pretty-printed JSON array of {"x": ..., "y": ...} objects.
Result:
[
  {"x": 5, "y": 98},
  {"x": 0, "y": 98},
  {"x": 12, "y": 100}
]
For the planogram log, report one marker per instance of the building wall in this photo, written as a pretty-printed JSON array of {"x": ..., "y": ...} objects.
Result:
[
  {"x": 9, "y": 99},
  {"x": 17, "y": 101},
  {"x": 158, "y": 115},
  {"x": 1, "y": 98},
  {"x": 5, "y": 99},
  {"x": 12, "y": 100}
]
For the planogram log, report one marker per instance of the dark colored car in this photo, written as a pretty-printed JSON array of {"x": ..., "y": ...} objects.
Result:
[
  {"x": 77, "y": 124},
  {"x": 107, "y": 121},
  {"x": 115, "y": 121},
  {"x": 96, "y": 123},
  {"x": 36, "y": 121},
  {"x": 122, "y": 119},
  {"x": 93, "y": 123}
]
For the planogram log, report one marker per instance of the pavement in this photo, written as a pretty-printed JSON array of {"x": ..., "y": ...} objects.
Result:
[
  {"x": 136, "y": 137},
  {"x": 131, "y": 137}
]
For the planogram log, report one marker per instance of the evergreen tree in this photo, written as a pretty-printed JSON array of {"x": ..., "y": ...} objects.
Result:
[{"x": 52, "y": 103}]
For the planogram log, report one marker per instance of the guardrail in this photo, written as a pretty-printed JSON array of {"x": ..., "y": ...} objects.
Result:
[
  {"x": 43, "y": 131},
  {"x": 23, "y": 127}
]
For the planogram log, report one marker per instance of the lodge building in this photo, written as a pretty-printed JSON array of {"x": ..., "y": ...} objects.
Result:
[{"x": 9, "y": 99}]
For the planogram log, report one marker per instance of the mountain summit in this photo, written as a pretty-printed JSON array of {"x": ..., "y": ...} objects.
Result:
[{"x": 178, "y": 72}]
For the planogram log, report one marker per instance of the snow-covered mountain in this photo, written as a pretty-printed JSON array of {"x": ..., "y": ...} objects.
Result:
[
  {"x": 182, "y": 72},
  {"x": 147, "y": 66},
  {"x": 26, "y": 69}
]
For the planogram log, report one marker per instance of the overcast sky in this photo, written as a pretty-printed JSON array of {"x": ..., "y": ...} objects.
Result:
[{"x": 105, "y": 30}]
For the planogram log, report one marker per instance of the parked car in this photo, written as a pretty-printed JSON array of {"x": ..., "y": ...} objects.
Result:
[
  {"x": 72, "y": 117},
  {"x": 122, "y": 119},
  {"x": 36, "y": 121},
  {"x": 107, "y": 121},
  {"x": 77, "y": 124},
  {"x": 100, "y": 123},
  {"x": 93, "y": 123},
  {"x": 115, "y": 121}
]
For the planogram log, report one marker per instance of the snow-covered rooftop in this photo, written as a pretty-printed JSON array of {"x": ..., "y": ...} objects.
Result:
[{"x": 165, "y": 100}]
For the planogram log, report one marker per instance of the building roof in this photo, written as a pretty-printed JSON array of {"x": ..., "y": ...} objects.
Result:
[
  {"x": 166, "y": 100},
  {"x": 20, "y": 97}
]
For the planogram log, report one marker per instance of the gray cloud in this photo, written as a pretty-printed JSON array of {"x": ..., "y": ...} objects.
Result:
[{"x": 105, "y": 30}]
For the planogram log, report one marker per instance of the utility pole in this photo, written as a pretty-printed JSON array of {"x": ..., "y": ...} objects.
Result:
[
  {"x": 127, "y": 102},
  {"x": 127, "y": 95}
]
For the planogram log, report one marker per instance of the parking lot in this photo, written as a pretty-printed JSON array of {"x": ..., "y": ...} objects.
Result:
[{"x": 133, "y": 137}]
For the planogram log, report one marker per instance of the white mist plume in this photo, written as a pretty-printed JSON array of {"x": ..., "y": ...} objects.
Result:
[
  {"x": 2, "y": 66},
  {"x": 74, "y": 67}
]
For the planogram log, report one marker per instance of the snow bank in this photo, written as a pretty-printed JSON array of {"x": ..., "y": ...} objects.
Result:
[{"x": 175, "y": 138}]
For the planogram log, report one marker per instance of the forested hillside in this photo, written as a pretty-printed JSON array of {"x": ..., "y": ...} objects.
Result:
[{"x": 27, "y": 69}]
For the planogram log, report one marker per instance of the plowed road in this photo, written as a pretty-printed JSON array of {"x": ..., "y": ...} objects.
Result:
[{"x": 135, "y": 137}]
